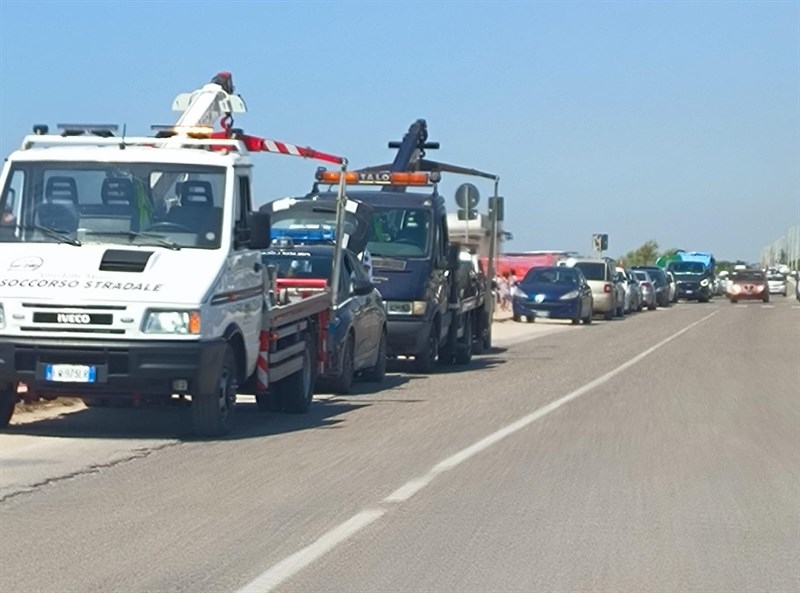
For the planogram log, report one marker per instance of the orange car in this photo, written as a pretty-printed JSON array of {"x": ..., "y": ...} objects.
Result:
[{"x": 748, "y": 284}]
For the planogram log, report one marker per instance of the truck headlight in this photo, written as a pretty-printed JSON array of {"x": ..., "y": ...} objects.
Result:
[
  {"x": 2, "y": 317},
  {"x": 704, "y": 282},
  {"x": 172, "y": 322},
  {"x": 573, "y": 294},
  {"x": 415, "y": 308}
]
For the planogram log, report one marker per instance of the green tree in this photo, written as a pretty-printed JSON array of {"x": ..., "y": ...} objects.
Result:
[{"x": 645, "y": 255}]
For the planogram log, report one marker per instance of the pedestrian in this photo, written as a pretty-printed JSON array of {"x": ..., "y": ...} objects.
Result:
[{"x": 505, "y": 291}]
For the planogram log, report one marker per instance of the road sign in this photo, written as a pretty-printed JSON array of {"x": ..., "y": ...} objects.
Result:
[{"x": 467, "y": 196}]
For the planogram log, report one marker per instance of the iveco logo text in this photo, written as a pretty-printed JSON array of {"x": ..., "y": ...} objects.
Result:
[{"x": 81, "y": 318}]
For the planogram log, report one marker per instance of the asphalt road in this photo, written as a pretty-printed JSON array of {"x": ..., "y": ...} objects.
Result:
[{"x": 656, "y": 453}]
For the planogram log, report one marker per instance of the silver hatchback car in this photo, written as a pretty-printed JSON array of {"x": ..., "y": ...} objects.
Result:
[{"x": 777, "y": 283}]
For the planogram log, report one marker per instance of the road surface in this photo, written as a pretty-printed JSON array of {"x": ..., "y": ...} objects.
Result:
[{"x": 656, "y": 453}]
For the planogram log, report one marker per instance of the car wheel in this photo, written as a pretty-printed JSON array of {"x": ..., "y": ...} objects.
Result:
[
  {"x": 343, "y": 382},
  {"x": 766, "y": 298},
  {"x": 530, "y": 318},
  {"x": 517, "y": 318},
  {"x": 734, "y": 301},
  {"x": 608, "y": 315},
  {"x": 377, "y": 373}
]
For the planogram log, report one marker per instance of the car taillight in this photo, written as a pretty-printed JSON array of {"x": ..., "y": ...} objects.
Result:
[
  {"x": 647, "y": 285},
  {"x": 607, "y": 288}
]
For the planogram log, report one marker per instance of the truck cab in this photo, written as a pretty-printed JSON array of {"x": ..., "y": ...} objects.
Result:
[{"x": 130, "y": 269}]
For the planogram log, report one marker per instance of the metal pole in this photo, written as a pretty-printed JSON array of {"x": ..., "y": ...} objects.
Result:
[
  {"x": 341, "y": 202},
  {"x": 492, "y": 264}
]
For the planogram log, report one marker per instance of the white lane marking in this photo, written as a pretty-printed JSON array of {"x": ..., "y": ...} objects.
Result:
[
  {"x": 285, "y": 569},
  {"x": 493, "y": 438},
  {"x": 740, "y": 306},
  {"x": 290, "y": 566},
  {"x": 409, "y": 489},
  {"x": 767, "y": 306}
]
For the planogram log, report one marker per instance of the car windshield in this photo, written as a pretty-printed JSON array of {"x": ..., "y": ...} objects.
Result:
[
  {"x": 687, "y": 267},
  {"x": 400, "y": 232},
  {"x": 749, "y": 276},
  {"x": 323, "y": 216},
  {"x": 642, "y": 276},
  {"x": 563, "y": 276},
  {"x": 124, "y": 203},
  {"x": 298, "y": 264},
  {"x": 776, "y": 277},
  {"x": 592, "y": 270}
]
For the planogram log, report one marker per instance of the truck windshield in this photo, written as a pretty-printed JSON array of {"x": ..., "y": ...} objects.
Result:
[
  {"x": 687, "y": 267},
  {"x": 121, "y": 203},
  {"x": 400, "y": 232}
]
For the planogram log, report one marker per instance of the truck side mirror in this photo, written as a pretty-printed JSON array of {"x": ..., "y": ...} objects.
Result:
[
  {"x": 362, "y": 287},
  {"x": 258, "y": 225}
]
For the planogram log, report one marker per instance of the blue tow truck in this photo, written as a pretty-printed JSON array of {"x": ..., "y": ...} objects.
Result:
[{"x": 434, "y": 313}]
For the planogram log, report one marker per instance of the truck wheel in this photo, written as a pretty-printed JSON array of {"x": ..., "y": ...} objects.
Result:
[
  {"x": 212, "y": 413},
  {"x": 425, "y": 359},
  {"x": 343, "y": 383},
  {"x": 297, "y": 391},
  {"x": 8, "y": 401},
  {"x": 463, "y": 353},
  {"x": 376, "y": 373},
  {"x": 268, "y": 402},
  {"x": 479, "y": 334},
  {"x": 608, "y": 315}
]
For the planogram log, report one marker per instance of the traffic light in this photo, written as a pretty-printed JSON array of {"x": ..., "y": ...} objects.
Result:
[{"x": 497, "y": 204}]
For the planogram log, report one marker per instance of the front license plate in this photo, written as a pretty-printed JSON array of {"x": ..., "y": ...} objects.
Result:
[
  {"x": 542, "y": 313},
  {"x": 70, "y": 373}
]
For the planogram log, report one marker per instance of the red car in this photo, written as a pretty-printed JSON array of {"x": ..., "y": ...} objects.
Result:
[{"x": 748, "y": 284}]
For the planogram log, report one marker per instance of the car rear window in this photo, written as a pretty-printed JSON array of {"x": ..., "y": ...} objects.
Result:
[{"x": 592, "y": 270}]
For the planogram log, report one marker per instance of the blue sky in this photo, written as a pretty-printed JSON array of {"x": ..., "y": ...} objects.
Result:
[{"x": 672, "y": 121}]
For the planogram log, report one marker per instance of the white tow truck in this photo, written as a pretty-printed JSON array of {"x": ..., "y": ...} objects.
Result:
[{"x": 130, "y": 269}]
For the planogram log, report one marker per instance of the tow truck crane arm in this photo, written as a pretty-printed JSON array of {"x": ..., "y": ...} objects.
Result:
[{"x": 411, "y": 157}]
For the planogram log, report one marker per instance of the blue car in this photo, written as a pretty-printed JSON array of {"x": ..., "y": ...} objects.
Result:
[
  {"x": 553, "y": 293},
  {"x": 357, "y": 331}
]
